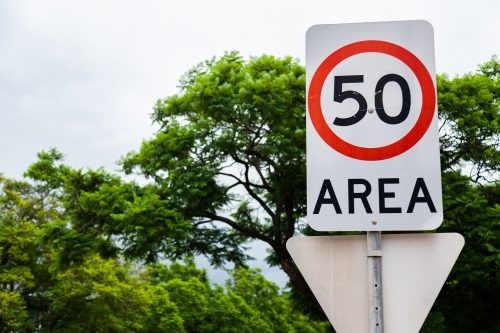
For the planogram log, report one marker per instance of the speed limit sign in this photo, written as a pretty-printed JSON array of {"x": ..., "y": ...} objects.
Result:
[{"x": 372, "y": 127}]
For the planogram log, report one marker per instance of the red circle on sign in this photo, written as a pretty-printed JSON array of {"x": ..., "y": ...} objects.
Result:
[{"x": 379, "y": 153}]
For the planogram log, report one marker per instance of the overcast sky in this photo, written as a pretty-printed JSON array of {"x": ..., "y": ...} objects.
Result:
[{"x": 82, "y": 76}]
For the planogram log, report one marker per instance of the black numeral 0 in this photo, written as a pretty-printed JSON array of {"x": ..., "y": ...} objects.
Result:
[
  {"x": 339, "y": 96},
  {"x": 379, "y": 102}
]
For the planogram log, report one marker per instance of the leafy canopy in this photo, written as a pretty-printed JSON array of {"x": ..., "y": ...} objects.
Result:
[
  {"x": 227, "y": 166},
  {"x": 111, "y": 295}
]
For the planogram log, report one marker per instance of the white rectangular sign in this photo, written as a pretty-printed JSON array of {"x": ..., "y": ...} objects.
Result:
[{"x": 372, "y": 128}]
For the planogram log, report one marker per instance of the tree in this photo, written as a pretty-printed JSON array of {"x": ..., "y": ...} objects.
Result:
[
  {"x": 470, "y": 161},
  {"x": 98, "y": 209},
  {"x": 230, "y": 157},
  {"x": 41, "y": 291},
  {"x": 248, "y": 302},
  {"x": 23, "y": 265},
  {"x": 35, "y": 296}
]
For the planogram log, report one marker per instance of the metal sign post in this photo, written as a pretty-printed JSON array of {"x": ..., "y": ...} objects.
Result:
[
  {"x": 374, "y": 254},
  {"x": 415, "y": 268}
]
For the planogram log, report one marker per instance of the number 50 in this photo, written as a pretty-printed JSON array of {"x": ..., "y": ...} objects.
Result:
[{"x": 339, "y": 96}]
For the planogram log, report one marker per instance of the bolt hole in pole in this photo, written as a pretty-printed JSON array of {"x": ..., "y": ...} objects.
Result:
[{"x": 374, "y": 254}]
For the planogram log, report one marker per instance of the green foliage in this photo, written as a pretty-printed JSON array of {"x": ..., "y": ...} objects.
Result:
[
  {"x": 231, "y": 150},
  {"x": 230, "y": 157},
  {"x": 227, "y": 167},
  {"x": 248, "y": 302},
  {"x": 40, "y": 292},
  {"x": 99, "y": 208},
  {"x": 263, "y": 296},
  {"x": 469, "y": 113},
  {"x": 14, "y": 317},
  {"x": 98, "y": 296},
  {"x": 434, "y": 323}
]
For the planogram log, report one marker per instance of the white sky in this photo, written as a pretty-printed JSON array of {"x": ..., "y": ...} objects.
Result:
[{"x": 82, "y": 76}]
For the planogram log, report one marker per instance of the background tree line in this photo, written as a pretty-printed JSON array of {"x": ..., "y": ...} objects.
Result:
[
  {"x": 226, "y": 167},
  {"x": 106, "y": 295}
]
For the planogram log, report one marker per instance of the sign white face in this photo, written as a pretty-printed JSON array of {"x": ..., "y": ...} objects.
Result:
[{"x": 372, "y": 128}]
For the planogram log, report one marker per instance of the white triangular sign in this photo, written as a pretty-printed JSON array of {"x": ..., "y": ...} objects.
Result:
[{"x": 414, "y": 269}]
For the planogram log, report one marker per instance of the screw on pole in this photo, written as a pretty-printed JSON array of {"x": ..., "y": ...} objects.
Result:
[{"x": 374, "y": 254}]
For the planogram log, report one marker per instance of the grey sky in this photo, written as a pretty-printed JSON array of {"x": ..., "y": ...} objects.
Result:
[{"x": 82, "y": 76}]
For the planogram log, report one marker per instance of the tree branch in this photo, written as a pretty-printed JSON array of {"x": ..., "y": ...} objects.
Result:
[
  {"x": 245, "y": 231},
  {"x": 250, "y": 191}
]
